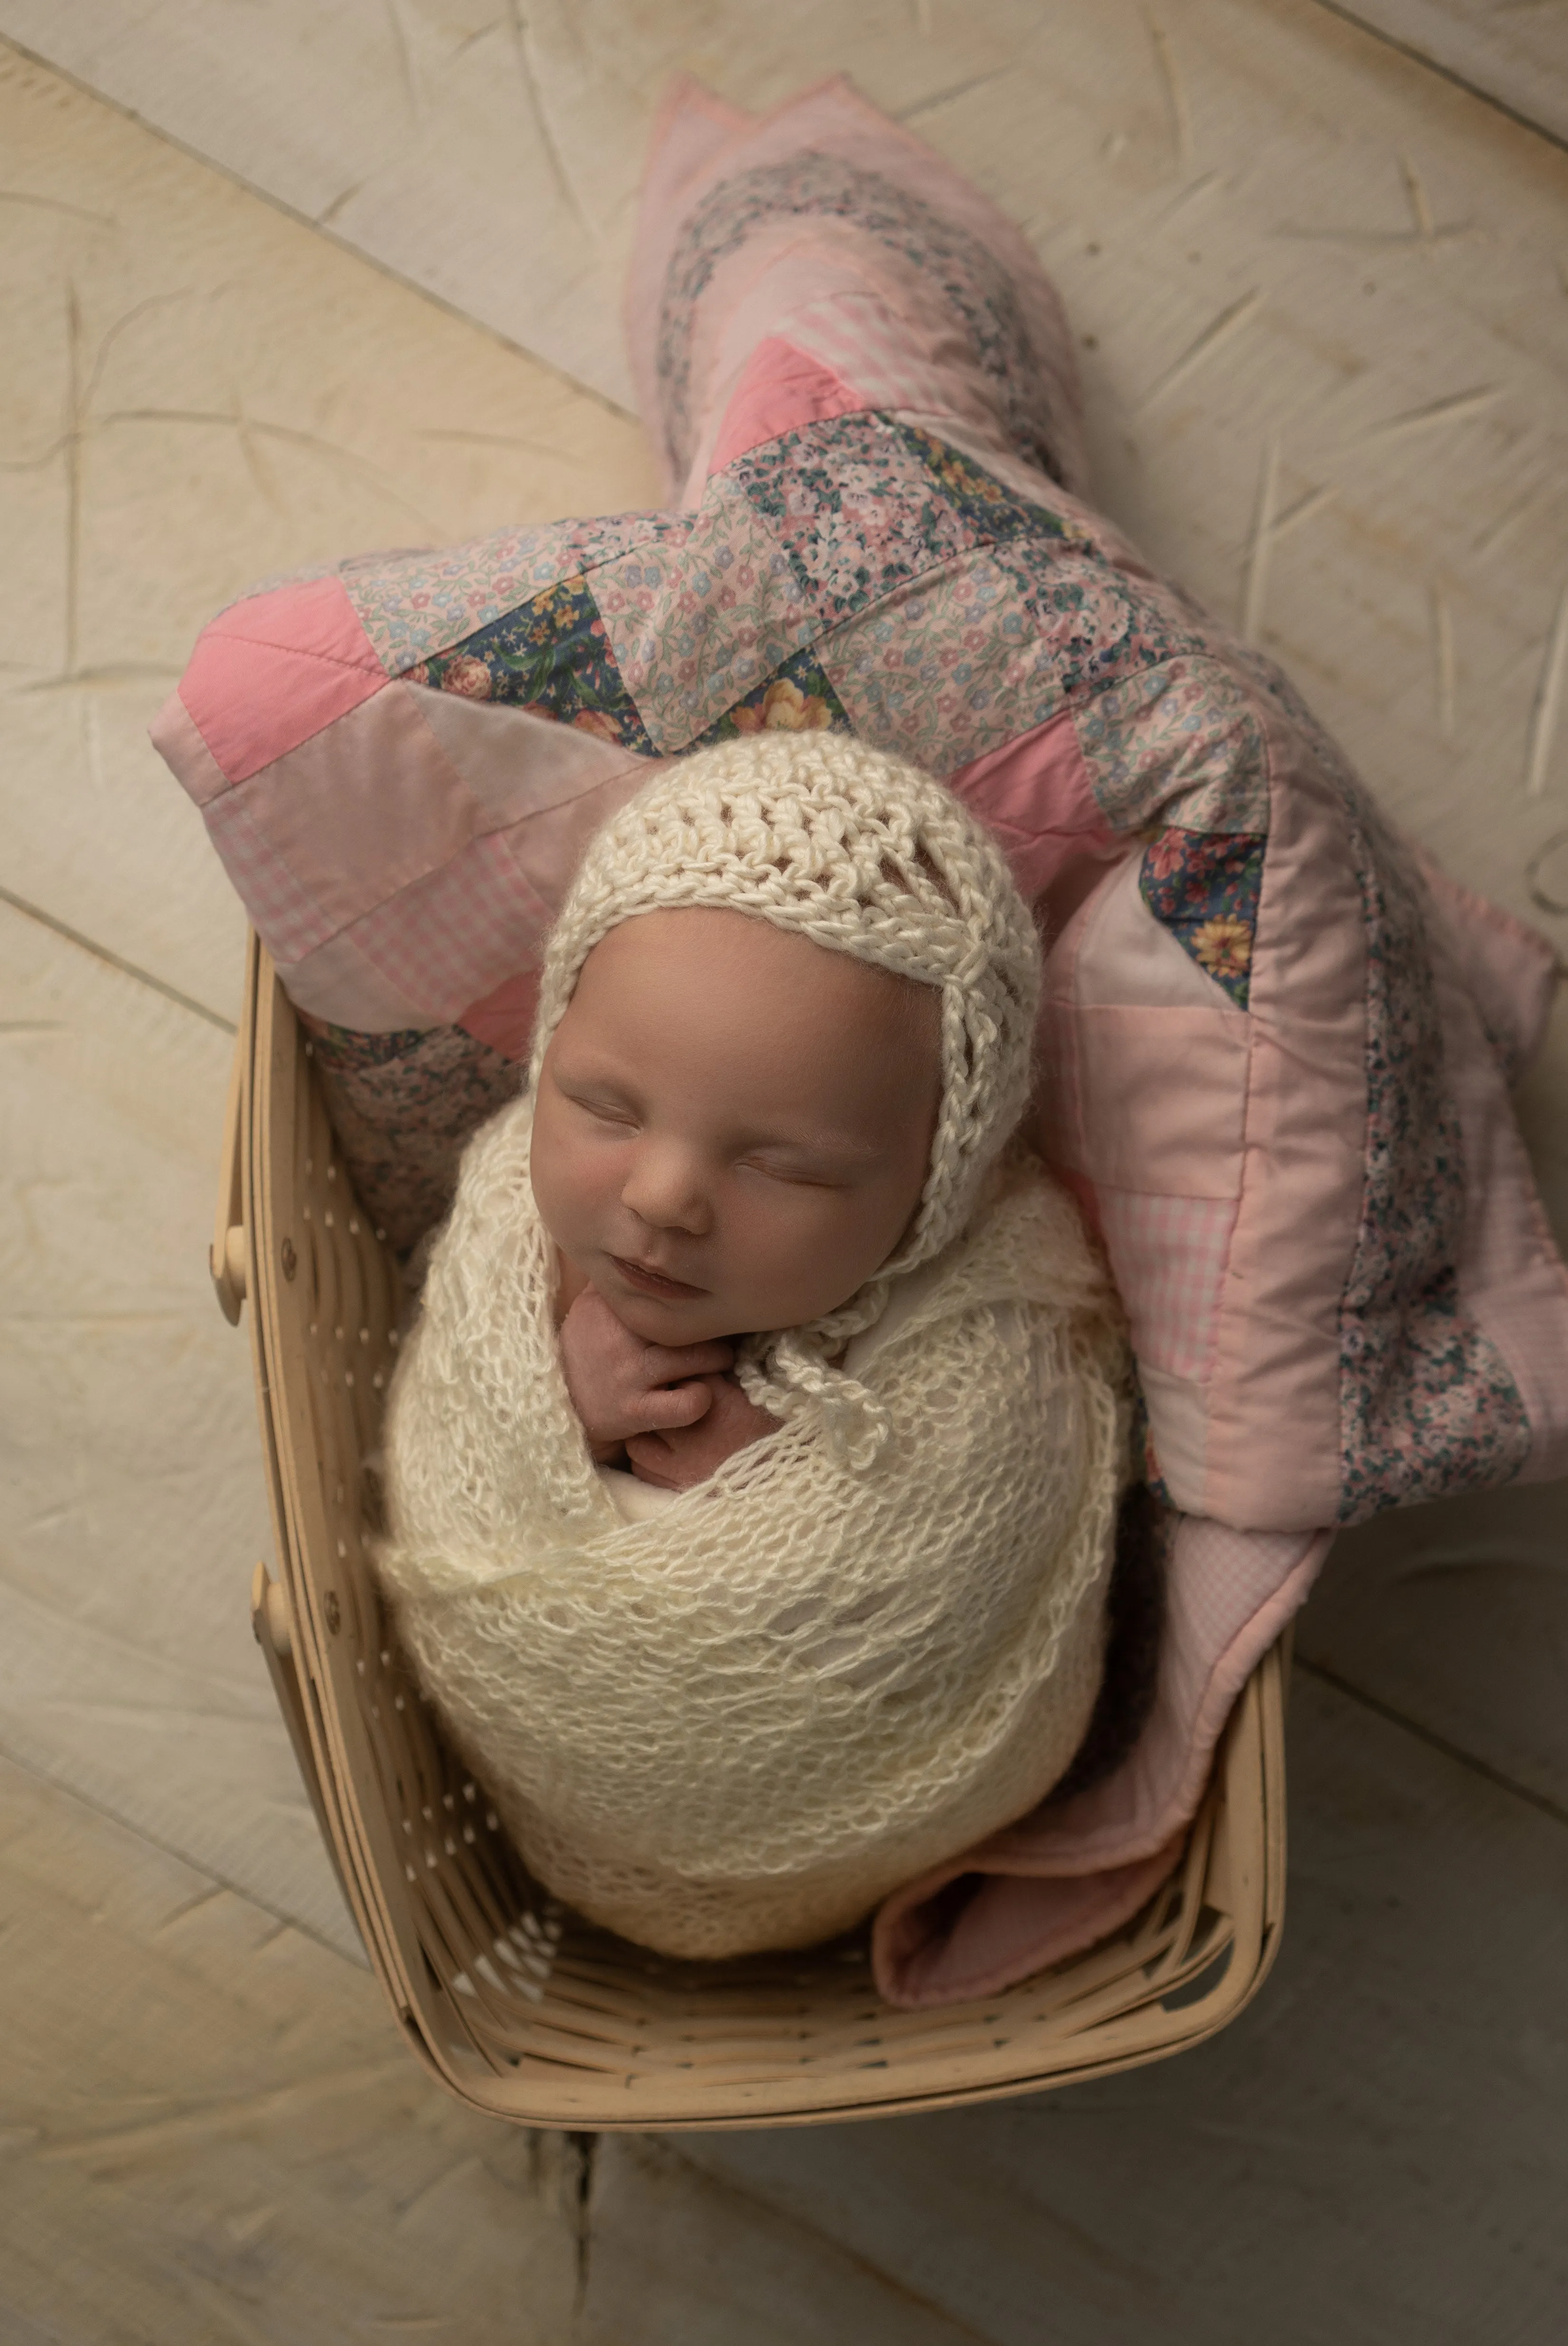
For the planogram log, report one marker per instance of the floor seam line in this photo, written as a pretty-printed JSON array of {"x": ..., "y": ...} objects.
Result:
[
  {"x": 1451, "y": 73},
  {"x": 220, "y": 1880},
  {"x": 1430, "y": 1735},
  {"x": 128, "y": 112},
  {"x": 858, "y": 2257},
  {"x": 116, "y": 961}
]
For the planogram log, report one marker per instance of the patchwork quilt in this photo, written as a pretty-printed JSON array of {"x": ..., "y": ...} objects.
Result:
[{"x": 1276, "y": 1044}]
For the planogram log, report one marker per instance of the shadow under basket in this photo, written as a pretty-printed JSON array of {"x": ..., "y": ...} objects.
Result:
[{"x": 520, "y": 2008}]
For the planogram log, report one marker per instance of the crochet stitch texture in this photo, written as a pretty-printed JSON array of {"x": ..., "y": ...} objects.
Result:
[{"x": 876, "y": 1635}]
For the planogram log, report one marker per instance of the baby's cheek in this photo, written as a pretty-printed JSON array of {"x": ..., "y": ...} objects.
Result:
[
  {"x": 811, "y": 1263},
  {"x": 543, "y": 1172},
  {"x": 564, "y": 1189}
]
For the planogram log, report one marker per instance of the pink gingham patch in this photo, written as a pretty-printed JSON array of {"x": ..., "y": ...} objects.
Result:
[{"x": 1168, "y": 1257}]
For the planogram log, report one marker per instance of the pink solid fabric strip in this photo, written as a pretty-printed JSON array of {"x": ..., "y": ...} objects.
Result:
[
  {"x": 781, "y": 389},
  {"x": 274, "y": 670},
  {"x": 402, "y": 858},
  {"x": 1035, "y": 794},
  {"x": 174, "y": 735},
  {"x": 504, "y": 1018},
  {"x": 1273, "y": 1402},
  {"x": 1013, "y": 1924},
  {"x": 1139, "y": 1130}
]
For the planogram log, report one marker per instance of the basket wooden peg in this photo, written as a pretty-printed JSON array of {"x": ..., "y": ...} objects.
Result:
[
  {"x": 270, "y": 1616},
  {"x": 226, "y": 1255}
]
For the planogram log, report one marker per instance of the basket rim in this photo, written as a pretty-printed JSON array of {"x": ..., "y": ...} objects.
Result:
[{"x": 1246, "y": 1795}]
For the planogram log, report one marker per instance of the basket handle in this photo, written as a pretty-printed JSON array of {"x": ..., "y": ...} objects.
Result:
[
  {"x": 226, "y": 1255},
  {"x": 272, "y": 1622},
  {"x": 272, "y": 1618}
]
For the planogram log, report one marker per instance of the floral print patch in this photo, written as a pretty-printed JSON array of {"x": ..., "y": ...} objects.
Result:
[
  {"x": 854, "y": 507},
  {"x": 1204, "y": 886},
  {"x": 413, "y": 603},
  {"x": 983, "y": 505},
  {"x": 799, "y": 700},
  {"x": 960, "y": 613},
  {"x": 1082, "y": 613},
  {"x": 1101, "y": 624},
  {"x": 1428, "y": 1406},
  {"x": 404, "y": 1107},
  {"x": 944, "y": 669},
  {"x": 699, "y": 620},
  {"x": 1183, "y": 741},
  {"x": 823, "y": 187},
  {"x": 550, "y": 656}
]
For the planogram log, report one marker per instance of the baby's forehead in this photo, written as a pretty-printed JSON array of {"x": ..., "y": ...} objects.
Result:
[{"x": 759, "y": 1009}]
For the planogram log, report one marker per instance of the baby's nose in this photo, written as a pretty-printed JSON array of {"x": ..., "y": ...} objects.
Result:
[{"x": 666, "y": 1190}]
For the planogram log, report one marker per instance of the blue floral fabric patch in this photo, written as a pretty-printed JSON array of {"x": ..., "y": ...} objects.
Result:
[
  {"x": 989, "y": 510},
  {"x": 856, "y": 509},
  {"x": 863, "y": 504},
  {"x": 1204, "y": 886},
  {"x": 798, "y": 698},
  {"x": 550, "y": 655}
]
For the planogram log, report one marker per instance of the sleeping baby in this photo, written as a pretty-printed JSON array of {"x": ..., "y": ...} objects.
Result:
[{"x": 753, "y": 1466}]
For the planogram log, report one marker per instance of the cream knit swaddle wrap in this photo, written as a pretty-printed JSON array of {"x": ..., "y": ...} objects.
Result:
[{"x": 874, "y": 1637}]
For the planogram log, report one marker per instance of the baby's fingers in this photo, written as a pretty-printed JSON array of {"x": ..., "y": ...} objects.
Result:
[
  {"x": 668, "y": 1364},
  {"x": 669, "y": 1406}
]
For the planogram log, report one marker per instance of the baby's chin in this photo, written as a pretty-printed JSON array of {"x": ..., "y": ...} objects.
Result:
[
  {"x": 658, "y": 1322},
  {"x": 665, "y": 1319},
  {"x": 713, "y": 1316}
]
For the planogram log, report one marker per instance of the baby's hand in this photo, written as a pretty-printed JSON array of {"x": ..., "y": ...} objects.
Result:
[
  {"x": 621, "y": 1387},
  {"x": 688, "y": 1453}
]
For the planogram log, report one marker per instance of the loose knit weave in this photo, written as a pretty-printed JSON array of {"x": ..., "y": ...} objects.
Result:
[
  {"x": 741, "y": 1723},
  {"x": 874, "y": 1636}
]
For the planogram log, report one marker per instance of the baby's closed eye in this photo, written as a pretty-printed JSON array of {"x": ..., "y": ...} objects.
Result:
[{"x": 825, "y": 1168}]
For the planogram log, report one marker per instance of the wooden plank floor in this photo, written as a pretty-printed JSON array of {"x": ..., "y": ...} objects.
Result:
[
  {"x": 1321, "y": 300},
  {"x": 1512, "y": 52}
]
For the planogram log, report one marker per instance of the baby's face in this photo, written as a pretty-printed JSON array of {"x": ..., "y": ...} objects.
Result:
[{"x": 733, "y": 1124}]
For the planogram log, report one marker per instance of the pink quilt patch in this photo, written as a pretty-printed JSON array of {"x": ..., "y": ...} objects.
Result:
[
  {"x": 1168, "y": 1256},
  {"x": 781, "y": 389},
  {"x": 274, "y": 670},
  {"x": 505, "y": 1019},
  {"x": 1035, "y": 794}
]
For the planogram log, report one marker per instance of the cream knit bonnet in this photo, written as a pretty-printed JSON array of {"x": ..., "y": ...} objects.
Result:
[{"x": 866, "y": 855}]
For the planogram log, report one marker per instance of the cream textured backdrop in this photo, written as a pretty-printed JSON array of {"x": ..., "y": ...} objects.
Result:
[{"x": 1322, "y": 300}]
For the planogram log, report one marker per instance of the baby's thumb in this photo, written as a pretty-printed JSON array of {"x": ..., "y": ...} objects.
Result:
[{"x": 678, "y": 1404}]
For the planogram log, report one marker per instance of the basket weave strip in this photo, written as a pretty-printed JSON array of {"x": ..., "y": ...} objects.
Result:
[{"x": 515, "y": 2005}]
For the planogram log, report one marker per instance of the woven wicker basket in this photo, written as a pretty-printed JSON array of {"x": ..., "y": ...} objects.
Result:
[{"x": 518, "y": 2007}]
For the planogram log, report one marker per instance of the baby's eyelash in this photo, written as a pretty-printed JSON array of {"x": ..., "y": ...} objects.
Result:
[
  {"x": 602, "y": 1111},
  {"x": 780, "y": 1173}
]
